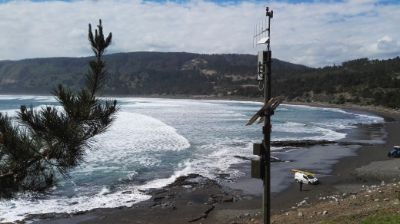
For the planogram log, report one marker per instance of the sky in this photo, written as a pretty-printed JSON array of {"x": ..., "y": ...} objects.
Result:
[{"x": 311, "y": 32}]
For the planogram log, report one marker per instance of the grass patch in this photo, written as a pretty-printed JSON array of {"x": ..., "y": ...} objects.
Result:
[
  {"x": 382, "y": 219},
  {"x": 378, "y": 218}
]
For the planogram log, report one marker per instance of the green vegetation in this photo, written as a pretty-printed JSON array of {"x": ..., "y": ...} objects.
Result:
[
  {"x": 144, "y": 73},
  {"x": 377, "y": 218},
  {"x": 361, "y": 81},
  {"x": 39, "y": 145},
  {"x": 382, "y": 219}
]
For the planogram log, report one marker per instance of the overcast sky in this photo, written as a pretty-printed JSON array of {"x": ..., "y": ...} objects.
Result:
[{"x": 314, "y": 33}]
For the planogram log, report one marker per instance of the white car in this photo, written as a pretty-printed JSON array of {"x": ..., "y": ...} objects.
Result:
[{"x": 305, "y": 178}]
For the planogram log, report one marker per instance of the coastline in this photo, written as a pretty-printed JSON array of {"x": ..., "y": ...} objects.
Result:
[
  {"x": 237, "y": 205},
  {"x": 349, "y": 173}
]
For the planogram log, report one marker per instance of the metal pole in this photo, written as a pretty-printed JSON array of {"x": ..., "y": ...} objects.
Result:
[{"x": 267, "y": 130}]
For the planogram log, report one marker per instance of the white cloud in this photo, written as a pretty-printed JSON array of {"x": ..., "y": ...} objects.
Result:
[{"x": 314, "y": 34}]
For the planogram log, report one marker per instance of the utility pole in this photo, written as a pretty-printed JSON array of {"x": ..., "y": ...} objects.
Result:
[
  {"x": 267, "y": 127},
  {"x": 261, "y": 167}
]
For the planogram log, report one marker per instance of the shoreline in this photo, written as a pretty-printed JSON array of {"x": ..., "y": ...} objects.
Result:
[
  {"x": 345, "y": 176},
  {"x": 251, "y": 204},
  {"x": 385, "y": 112}
]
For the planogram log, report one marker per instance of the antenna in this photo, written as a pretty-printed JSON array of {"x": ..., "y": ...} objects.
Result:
[
  {"x": 262, "y": 36},
  {"x": 263, "y": 31}
]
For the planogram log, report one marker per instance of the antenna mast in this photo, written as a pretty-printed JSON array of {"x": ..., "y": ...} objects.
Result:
[{"x": 261, "y": 168}]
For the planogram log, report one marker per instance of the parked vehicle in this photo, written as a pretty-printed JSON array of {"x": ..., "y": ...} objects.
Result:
[
  {"x": 305, "y": 177},
  {"x": 395, "y": 152}
]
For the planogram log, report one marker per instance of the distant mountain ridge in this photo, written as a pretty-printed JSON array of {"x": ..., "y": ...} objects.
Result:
[
  {"x": 142, "y": 73},
  {"x": 361, "y": 81}
]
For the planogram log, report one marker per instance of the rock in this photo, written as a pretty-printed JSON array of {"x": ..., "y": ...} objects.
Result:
[
  {"x": 243, "y": 157},
  {"x": 142, "y": 191},
  {"x": 276, "y": 159},
  {"x": 376, "y": 199},
  {"x": 304, "y": 202},
  {"x": 126, "y": 192},
  {"x": 325, "y": 212},
  {"x": 396, "y": 201},
  {"x": 186, "y": 180},
  {"x": 158, "y": 191},
  {"x": 300, "y": 214},
  {"x": 383, "y": 183},
  {"x": 227, "y": 199},
  {"x": 158, "y": 198},
  {"x": 301, "y": 143}
]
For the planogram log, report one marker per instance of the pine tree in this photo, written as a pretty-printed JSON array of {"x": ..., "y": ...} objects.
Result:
[{"x": 37, "y": 145}]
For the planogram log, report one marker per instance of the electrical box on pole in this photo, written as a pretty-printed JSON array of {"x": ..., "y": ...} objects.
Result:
[
  {"x": 261, "y": 69},
  {"x": 257, "y": 164}
]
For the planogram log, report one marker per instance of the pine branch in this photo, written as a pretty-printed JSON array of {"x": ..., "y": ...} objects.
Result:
[{"x": 51, "y": 140}]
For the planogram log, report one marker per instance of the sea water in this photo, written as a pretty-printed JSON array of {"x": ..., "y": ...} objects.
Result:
[{"x": 154, "y": 141}]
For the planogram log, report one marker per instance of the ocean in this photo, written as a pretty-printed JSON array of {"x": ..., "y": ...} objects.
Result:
[{"x": 153, "y": 141}]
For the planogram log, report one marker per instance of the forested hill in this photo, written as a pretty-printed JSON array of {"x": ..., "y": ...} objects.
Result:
[
  {"x": 360, "y": 81},
  {"x": 143, "y": 73}
]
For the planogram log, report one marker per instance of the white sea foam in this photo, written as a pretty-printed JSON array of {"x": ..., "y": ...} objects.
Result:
[
  {"x": 130, "y": 136},
  {"x": 368, "y": 118},
  {"x": 184, "y": 169},
  {"x": 16, "y": 209},
  {"x": 138, "y": 133},
  {"x": 317, "y": 133},
  {"x": 218, "y": 156},
  {"x": 308, "y": 107},
  {"x": 9, "y": 113},
  {"x": 341, "y": 124},
  {"x": 28, "y": 97}
]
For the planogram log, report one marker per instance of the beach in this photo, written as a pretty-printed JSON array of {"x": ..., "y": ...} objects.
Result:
[{"x": 194, "y": 199}]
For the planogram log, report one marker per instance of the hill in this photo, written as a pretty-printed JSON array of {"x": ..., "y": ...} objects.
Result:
[
  {"x": 360, "y": 81},
  {"x": 144, "y": 73}
]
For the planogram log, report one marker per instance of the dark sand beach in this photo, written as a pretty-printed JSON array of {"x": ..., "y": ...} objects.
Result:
[{"x": 194, "y": 199}]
